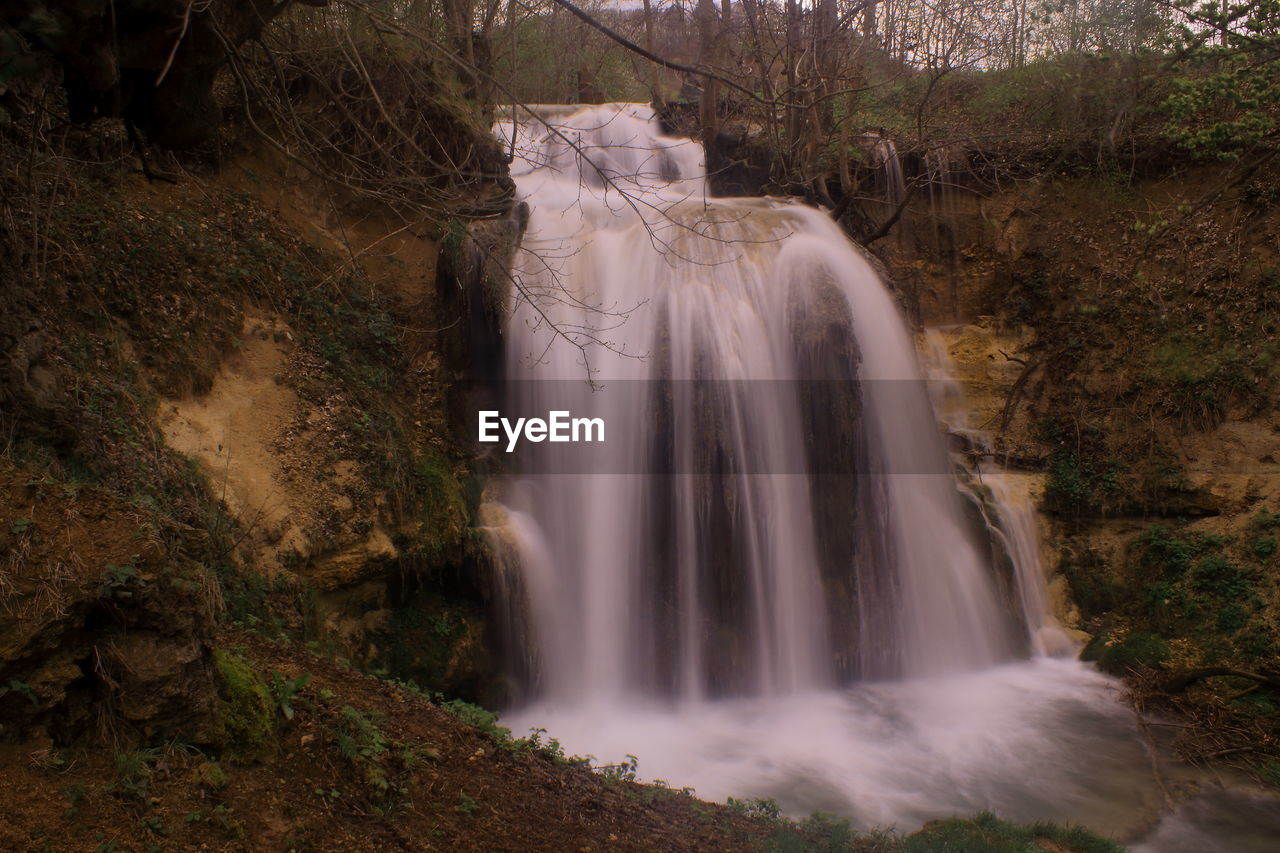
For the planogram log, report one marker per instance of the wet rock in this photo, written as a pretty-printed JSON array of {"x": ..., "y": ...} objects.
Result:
[{"x": 473, "y": 283}]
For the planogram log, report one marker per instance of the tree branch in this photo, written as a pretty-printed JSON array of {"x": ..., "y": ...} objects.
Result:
[{"x": 653, "y": 57}]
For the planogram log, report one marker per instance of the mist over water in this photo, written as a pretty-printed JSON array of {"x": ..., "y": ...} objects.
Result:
[
  {"x": 839, "y": 643},
  {"x": 1044, "y": 739}
]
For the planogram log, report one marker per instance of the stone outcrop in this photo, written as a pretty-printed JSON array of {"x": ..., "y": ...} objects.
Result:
[{"x": 105, "y": 621}]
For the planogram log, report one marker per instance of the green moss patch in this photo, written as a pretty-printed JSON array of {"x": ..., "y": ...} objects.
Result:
[{"x": 246, "y": 710}]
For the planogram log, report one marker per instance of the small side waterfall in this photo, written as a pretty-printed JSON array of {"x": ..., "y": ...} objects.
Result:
[
  {"x": 884, "y": 155},
  {"x": 1013, "y": 519},
  {"x": 1016, "y": 526}
]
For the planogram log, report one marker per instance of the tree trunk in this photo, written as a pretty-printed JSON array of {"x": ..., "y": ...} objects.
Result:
[
  {"x": 707, "y": 110},
  {"x": 655, "y": 90}
]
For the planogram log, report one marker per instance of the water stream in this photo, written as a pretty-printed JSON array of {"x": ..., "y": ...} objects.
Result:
[{"x": 767, "y": 582}]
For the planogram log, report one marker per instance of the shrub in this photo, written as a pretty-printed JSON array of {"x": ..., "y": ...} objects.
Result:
[
  {"x": 1217, "y": 576},
  {"x": 1119, "y": 655},
  {"x": 986, "y": 833}
]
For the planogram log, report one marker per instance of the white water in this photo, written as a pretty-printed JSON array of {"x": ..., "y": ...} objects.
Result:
[
  {"x": 691, "y": 620},
  {"x": 623, "y": 248},
  {"x": 1016, "y": 521},
  {"x": 1040, "y": 739}
]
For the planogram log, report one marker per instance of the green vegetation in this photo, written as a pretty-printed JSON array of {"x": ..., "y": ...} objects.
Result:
[
  {"x": 1223, "y": 104},
  {"x": 982, "y": 833},
  {"x": 1078, "y": 485},
  {"x": 1083, "y": 477},
  {"x": 1184, "y": 601},
  {"x": 76, "y": 795},
  {"x": 423, "y": 639},
  {"x": 247, "y": 710},
  {"x": 385, "y": 764},
  {"x": 133, "y": 774},
  {"x": 117, "y": 580},
  {"x": 285, "y": 693},
  {"x": 1208, "y": 594},
  {"x": 1208, "y": 590},
  {"x": 148, "y": 300},
  {"x": 466, "y": 804},
  {"x": 624, "y": 771},
  {"x": 20, "y": 688},
  {"x": 759, "y": 808},
  {"x": 479, "y": 718},
  {"x": 209, "y": 775},
  {"x": 985, "y": 833},
  {"x": 1120, "y": 655}
]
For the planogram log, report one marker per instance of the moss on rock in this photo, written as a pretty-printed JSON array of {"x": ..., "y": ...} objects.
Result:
[{"x": 246, "y": 711}]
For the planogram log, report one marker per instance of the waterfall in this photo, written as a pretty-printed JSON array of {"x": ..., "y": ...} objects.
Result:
[
  {"x": 1013, "y": 521},
  {"x": 773, "y": 509},
  {"x": 765, "y": 580},
  {"x": 885, "y": 155},
  {"x": 1016, "y": 524}
]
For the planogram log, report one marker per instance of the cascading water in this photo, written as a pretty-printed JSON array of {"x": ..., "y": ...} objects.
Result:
[
  {"x": 1010, "y": 494},
  {"x": 764, "y": 582},
  {"x": 735, "y": 317}
]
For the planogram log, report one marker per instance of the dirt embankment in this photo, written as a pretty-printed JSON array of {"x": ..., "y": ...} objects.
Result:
[
  {"x": 106, "y": 616},
  {"x": 360, "y": 766},
  {"x": 255, "y": 365},
  {"x": 248, "y": 428}
]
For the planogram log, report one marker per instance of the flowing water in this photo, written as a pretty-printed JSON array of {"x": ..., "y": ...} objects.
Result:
[
  {"x": 766, "y": 581},
  {"x": 1013, "y": 519}
]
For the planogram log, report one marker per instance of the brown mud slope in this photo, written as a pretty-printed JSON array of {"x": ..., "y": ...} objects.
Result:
[{"x": 363, "y": 765}]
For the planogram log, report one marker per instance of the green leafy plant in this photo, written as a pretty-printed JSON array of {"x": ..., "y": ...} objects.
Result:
[
  {"x": 76, "y": 795},
  {"x": 133, "y": 774},
  {"x": 287, "y": 692},
  {"x": 230, "y": 825},
  {"x": 467, "y": 804},
  {"x": 22, "y": 689},
  {"x": 623, "y": 771},
  {"x": 117, "y": 579},
  {"x": 384, "y": 763},
  {"x": 758, "y": 808},
  {"x": 485, "y": 721},
  {"x": 1119, "y": 655}
]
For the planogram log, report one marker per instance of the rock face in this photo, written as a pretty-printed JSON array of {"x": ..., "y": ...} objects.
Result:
[
  {"x": 473, "y": 282},
  {"x": 103, "y": 619},
  {"x": 152, "y": 62}
]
